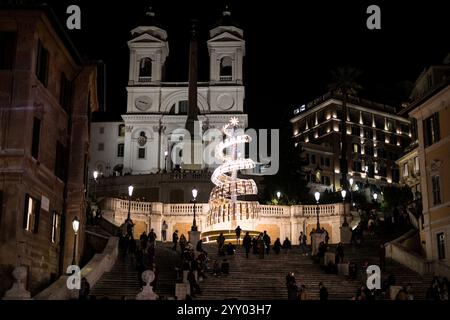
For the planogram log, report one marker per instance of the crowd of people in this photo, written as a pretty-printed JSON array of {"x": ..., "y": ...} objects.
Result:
[
  {"x": 196, "y": 264},
  {"x": 438, "y": 290}
]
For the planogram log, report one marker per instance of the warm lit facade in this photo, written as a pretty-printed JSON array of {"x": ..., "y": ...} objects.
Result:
[
  {"x": 46, "y": 97},
  {"x": 432, "y": 112},
  {"x": 376, "y": 137}
]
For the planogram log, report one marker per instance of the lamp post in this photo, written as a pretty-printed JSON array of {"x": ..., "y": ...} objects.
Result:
[
  {"x": 194, "y": 200},
  {"x": 95, "y": 174},
  {"x": 351, "y": 191},
  {"x": 130, "y": 193},
  {"x": 343, "y": 194},
  {"x": 166, "y": 153},
  {"x": 375, "y": 197},
  {"x": 317, "y": 196},
  {"x": 75, "y": 226},
  {"x": 278, "y": 196}
]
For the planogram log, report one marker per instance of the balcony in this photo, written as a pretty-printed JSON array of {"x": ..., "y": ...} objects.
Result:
[
  {"x": 145, "y": 79},
  {"x": 226, "y": 78}
]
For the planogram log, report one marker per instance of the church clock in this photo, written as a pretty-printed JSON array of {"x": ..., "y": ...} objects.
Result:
[{"x": 143, "y": 103}]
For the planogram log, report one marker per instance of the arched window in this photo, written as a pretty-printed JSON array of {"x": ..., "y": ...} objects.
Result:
[
  {"x": 181, "y": 107},
  {"x": 226, "y": 69},
  {"x": 145, "y": 70}
]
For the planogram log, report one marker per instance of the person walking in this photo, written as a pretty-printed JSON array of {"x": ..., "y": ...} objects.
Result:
[
  {"x": 260, "y": 242},
  {"x": 199, "y": 247},
  {"x": 302, "y": 242},
  {"x": 247, "y": 243},
  {"x": 175, "y": 240},
  {"x": 85, "y": 288},
  {"x": 164, "y": 228},
  {"x": 183, "y": 243},
  {"x": 238, "y": 234},
  {"x": 267, "y": 242},
  {"x": 277, "y": 246},
  {"x": 286, "y": 245},
  {"x": 323, "y": 292},
  {"x": 220, "y": 243},
  {"x": 151, "y": 238}
]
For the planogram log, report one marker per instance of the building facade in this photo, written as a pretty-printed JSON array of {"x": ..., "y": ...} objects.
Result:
[
  {"x": 147, "y": 140},
  {"x": 431, "y": 111},
  {"x": 46, "y": 98},
  {"x": 376, "y": 137}
]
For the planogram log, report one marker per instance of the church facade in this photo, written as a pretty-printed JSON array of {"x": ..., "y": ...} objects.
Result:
[{"x": 144, "y": 141}]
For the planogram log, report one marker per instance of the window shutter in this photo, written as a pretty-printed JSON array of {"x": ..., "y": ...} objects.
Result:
[
  {"x": 25, "y": 211},
  {"x": 36, "y": 216},
  {"x": 436, "y": 127}
]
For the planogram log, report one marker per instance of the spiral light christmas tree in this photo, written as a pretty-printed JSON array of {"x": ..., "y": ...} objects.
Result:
[{"x": 225, "y": 207}]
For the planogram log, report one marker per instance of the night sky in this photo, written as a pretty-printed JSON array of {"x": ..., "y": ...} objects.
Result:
[{"x": 291, "y": 46}]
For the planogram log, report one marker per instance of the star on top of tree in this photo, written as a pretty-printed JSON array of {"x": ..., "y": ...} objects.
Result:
[{"x": 234, "y": 121}]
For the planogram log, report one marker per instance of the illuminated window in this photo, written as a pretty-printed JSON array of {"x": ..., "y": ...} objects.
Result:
[
  {"x": 441, "y": 245},
  {"x": 416, "y": 164},
  {"x": 55, "y": 227},
  {"x": 31, "y": 214},
  {"x": 405, "y": 170},
  {"x": 436, "y": 189}
]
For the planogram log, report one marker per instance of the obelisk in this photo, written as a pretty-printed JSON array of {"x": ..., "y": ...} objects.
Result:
[{"x": 193, "y": 126}]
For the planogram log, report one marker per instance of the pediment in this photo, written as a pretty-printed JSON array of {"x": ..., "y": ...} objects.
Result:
[
  {"x": 225, "y": 36},
  {"x": 145, "y": 38}
]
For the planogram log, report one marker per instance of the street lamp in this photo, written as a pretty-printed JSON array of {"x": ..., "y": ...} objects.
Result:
[
  {"x": 75, "y": 226},
  {"x": 194, "y": 200},
  {"x": 317, "y": 196},
  {"x": 278, "y": 195},
  {"x": 95, "y": 184},
  {"x": 343, "y": 194},
  {"x": 166, "y": 153},
  {"x": 130, "y": 193},
  {"x": 351, "y": 191},
  {"x": 375, "y": 197}
]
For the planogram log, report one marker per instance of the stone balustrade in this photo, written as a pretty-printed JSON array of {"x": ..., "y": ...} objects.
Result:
[
  {"x": 99, "y": 264},
  {"x": 138, "y": 207},
  {"x": 324, "y": 210},
  {"x": 185, "y": 209},
  {"x": 271, "y": 210}
]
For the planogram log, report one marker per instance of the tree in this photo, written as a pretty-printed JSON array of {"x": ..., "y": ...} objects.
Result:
[
  {"x": 290, "y": 180},
  {"x": 396, "y": 196},
  {"x": 344, "y": 83}
]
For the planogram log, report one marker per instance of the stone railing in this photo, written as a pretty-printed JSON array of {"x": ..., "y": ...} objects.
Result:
[
  {"x": 272, "y": 210},
  {"x": 398, "y": 252},
  {"x": 410, "y": 259},
  {"x": 95, "y": 268},
  {"x": 184, "y": 209},
  {"x": 122, "y": 205},
  {"x": 324, "y": 210}
]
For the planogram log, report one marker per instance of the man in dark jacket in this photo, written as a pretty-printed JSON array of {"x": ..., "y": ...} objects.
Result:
[
  {"x": 247, "y": 243},
  {"x": 175, "y": 240},
  {"x": 323, "y": 292}
]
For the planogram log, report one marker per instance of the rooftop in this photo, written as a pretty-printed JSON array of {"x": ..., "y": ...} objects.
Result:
[{"x": 350, "y": 99}]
